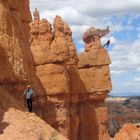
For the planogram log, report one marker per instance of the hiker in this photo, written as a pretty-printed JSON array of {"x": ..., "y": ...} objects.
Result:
[
  {"x": 107, "y": 44},
  {"x": 28, "y": 94}
]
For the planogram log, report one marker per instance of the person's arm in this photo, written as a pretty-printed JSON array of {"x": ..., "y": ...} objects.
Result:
[{"x": 24, "y": 91}]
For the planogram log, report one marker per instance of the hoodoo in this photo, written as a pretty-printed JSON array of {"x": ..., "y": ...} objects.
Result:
[{"x": 75, "y": 85}]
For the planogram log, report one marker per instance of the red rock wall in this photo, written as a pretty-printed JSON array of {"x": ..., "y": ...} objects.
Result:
[
  {"x": 16, "y": 71},
  {"x": 16, "y": 58},
  {"x": 94, "y": 75}
]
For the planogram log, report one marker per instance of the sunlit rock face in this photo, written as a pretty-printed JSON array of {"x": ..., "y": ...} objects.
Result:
[
  {"x": 75, "y": 85},
  {"x": 16, "y": 70},
  {"x": 53, "y": 50},
  {"x": 47, "y": 59},
  {"x": 94, "y": 73},
  {"x": 128, "y": 132}
]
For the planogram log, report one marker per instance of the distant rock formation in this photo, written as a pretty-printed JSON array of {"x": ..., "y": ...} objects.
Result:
[
  {"x": 121, "y": 111},
  {"x": 75, "y": 85},
  {"x": 128, "y": 132}
]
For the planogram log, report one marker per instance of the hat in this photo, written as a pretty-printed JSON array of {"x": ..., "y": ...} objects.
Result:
[{"x": 28, "y": 86}]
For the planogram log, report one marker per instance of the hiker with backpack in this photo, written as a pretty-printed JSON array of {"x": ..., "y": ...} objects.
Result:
[{"x": 28, "y": 94}]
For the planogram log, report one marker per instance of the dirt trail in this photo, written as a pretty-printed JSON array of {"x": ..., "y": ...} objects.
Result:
[{"x": 17, "y": 124}]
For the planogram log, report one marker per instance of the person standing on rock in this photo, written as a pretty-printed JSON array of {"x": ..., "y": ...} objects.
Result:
[{"x": 28, "y": 94}]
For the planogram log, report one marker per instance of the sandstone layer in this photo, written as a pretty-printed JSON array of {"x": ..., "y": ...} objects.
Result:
[{"x": 75, "y": 86}]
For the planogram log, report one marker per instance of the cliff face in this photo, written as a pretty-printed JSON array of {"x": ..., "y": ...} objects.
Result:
[
  {"x": 94, "y": 73},
  {"x": 75, "y": 86},
  {"x": 15, "y": 56},
  {"x": 16, "y": 71}
]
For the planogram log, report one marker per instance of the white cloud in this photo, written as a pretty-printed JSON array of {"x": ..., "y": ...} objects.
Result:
[
  {"x": 138, "y": 69},
  {"x": 117, "y": 71},
  {"x": 79, "y": 30},
  {"x": 135, "y": 83},
  {"x": 138, "y": 35},
  {"x": 84, "y": 13},
  {"x": 90, "y": 7},
  {"x": 125, "y": 57},
  {"x": 119, "y": 27},
  {"x": 113, "y": 40},
  {"x": 108, "y": 7},
  {"x": 80, "y": 50},
  {"x": 129, "y": 83},
  {"x": 137, "y": 79}
]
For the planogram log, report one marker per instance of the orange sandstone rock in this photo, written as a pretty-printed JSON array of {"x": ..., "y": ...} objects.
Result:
[
  {"x": 51, "y": 53},
  {"x": 16, "y": 58},
  {"x": 69, "y": 97},
  {"x": 54, "y": 77},
  {"x": 128, "y": 132},
  {"x": 92, "y": 38},
  {"x": 75, "y": 86},
  {"x": 94, "y": 73},
  {"x": 94, "y": 64},
  {"x": 95, "y": 57}
]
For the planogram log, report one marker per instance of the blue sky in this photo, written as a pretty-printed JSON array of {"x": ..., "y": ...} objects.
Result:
[{"x": 123, "y": 17}]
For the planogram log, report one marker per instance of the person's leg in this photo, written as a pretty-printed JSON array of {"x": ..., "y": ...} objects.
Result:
[{"x": 28, "y": 104}]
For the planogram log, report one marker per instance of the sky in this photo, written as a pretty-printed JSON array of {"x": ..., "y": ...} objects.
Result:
[{"x": 123, "y": 18}]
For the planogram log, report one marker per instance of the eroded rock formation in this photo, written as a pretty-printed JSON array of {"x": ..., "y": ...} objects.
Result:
[
  {"x": 75, "y": 86},
  {"x": 51, "y": 53},
  {"x": 128, "y": 132},
  {"x": 70, "y": 89},
  {"x": 16, "y": 71},
  {"x": 15, "y": 56},
  {"x": 94, "y": 73}
]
